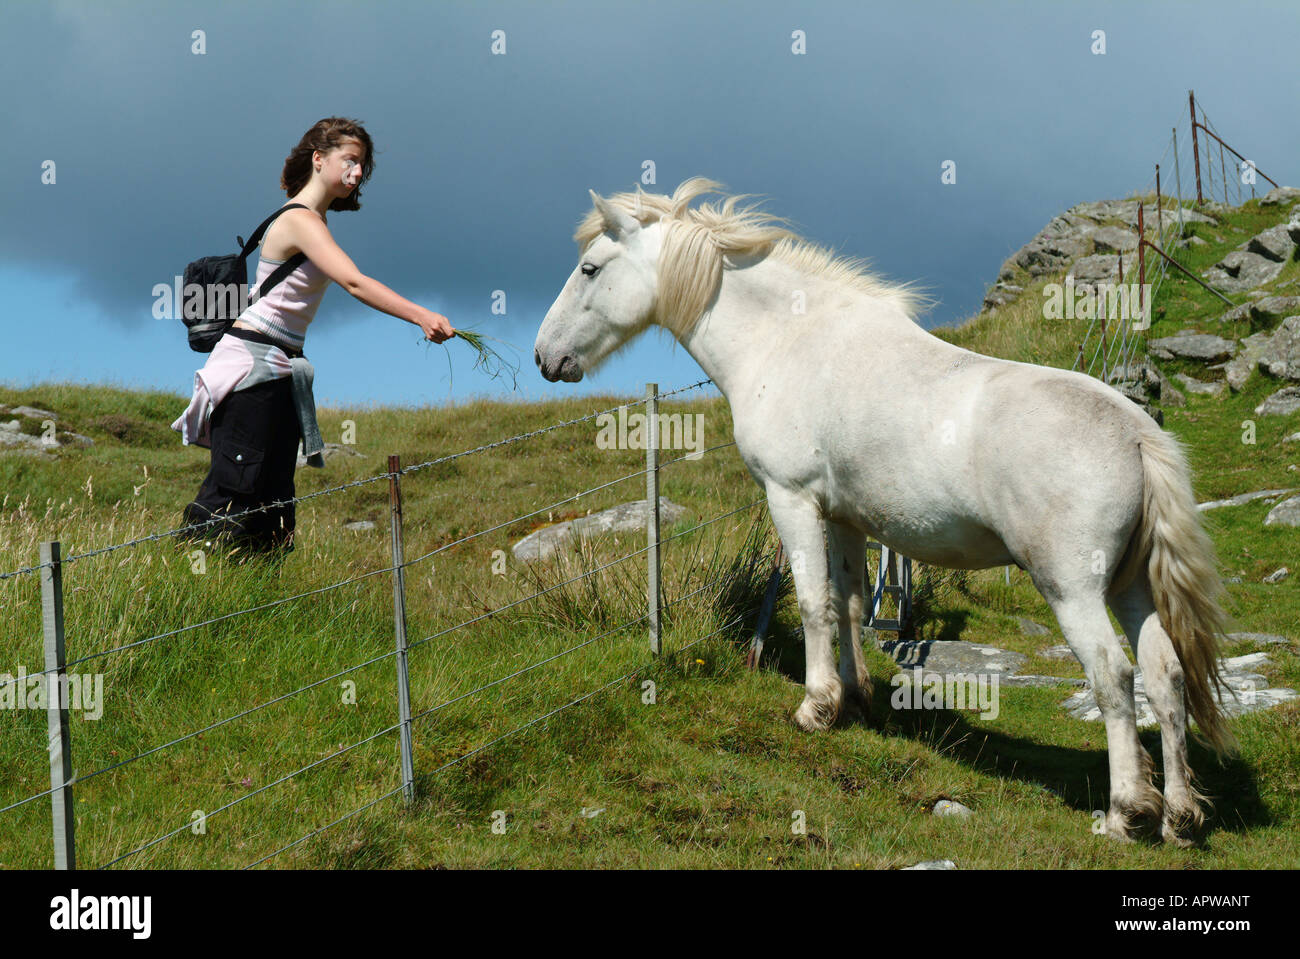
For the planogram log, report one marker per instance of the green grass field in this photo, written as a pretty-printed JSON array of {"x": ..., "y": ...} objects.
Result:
[{"x": 711, "y": 773}]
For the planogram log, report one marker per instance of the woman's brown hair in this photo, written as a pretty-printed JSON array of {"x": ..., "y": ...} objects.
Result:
[{"x": 324, "y": 136}]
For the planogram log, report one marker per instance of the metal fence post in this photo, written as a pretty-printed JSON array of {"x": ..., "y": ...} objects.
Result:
[
  {"x": 56, "y": 707},
  {"x": 1142, "y": 264},
  {"x": 1196, "y": 153},
  {"x": 399, "y": 628},
  {"x": 652, "y": 515},
  {"x": 1178, "y": 185}
]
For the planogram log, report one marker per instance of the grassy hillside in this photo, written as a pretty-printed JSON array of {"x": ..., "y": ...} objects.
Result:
[{"x": 712, "y": 773}]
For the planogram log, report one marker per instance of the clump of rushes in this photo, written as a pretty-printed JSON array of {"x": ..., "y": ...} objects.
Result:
[{"x": 490, "y": 360}]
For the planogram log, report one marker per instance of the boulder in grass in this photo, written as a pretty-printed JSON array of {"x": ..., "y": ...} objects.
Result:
[
  {"x": 1282, "y": 403},
  {"x": 1280, "y": 196},
  {"x": 1280, "y": 356},
  {"x": 1274, "y": 244},
  {"x": 1285, "y": 513},
  {"x": 1241, "y": 270},
  {"x": 625, "y": 518},
  {"x": 1192, "y": 346}
]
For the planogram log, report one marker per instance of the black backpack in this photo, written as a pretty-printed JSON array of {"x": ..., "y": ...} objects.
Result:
[{"x": 224, "y": 280}]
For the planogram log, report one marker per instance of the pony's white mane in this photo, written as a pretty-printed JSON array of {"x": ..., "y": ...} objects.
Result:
[{"x": 696, "y": 240}]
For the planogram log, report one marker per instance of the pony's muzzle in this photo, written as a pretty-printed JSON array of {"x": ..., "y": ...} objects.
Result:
[{"x": 566, "y": 368}]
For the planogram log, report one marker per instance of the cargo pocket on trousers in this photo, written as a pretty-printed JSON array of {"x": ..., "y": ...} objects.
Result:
[{"x": 237, "y": 467}]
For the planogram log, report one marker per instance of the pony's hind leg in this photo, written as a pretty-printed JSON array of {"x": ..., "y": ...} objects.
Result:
[
  {"x": 1087, "y": 629},
  {"x": 1163, "y": 677},
  {"x": 803, "y": 532},
  {"x": 848, "y": 555}
]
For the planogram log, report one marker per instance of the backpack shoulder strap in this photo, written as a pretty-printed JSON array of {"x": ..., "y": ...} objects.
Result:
[
  {"x": 247, "y": 248},
  {"x": 280, "y": 272}
]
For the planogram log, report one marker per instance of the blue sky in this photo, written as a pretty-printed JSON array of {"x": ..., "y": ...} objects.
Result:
[{"x": 483, "y": 162}]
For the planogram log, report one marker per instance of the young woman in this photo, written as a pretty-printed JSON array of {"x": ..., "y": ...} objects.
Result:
[{"x": 245, "y": 402}]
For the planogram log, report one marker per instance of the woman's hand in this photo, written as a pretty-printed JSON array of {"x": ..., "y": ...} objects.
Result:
[{"x": 436, "y": 326}]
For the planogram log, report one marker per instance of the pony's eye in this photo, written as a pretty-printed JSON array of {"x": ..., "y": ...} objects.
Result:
[{"x": 589, "y": 269}]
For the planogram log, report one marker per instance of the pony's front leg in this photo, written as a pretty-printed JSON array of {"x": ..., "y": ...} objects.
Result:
[
  {"x": 847, "y": 549},
  {"x": 803, "y": 532}
]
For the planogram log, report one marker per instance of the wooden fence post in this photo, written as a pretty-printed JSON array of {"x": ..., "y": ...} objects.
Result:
[
  {"x": 399, "y": 628},
  {"x": 652, "y": 515},
  {"x": 56, "y": 707}
]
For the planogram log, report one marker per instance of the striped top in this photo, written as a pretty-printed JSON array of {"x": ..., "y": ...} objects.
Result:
[{"x": 287, "y": 309}]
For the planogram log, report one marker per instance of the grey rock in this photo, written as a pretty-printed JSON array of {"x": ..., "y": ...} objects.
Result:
[
  {"x": 1247, "y": 691},
  {"x": 1061, "y": 652},
  {"x": 1270, "y": 309},
  {"x": 33, "y": 413},
  {"x": 1098, "y": 268},
  {"x": 948, "y": 807},
  {"x": 1277, "y": 575},
  {"x": 1282, "y": 403},
  {"x": 1190, "y": 242},
  {"x": 1285, "y": 513},
  {"x": 1293, "y": 438},
  {"x": 1000, "y": 294},
  {"x": 1275, "y": 244},
  {"x": 1280, "y": 355},
  {"x": 624, "y": 518},
  {"x": 1237, "y": 313},
  {"x": 1265, "y": 639},
  {"x": 1243, "y": 499},
  {"x": 948, "y": 659},
  {"x": 1279, "y": 196},
  {"x": 1113, "y": 239},
  {"x": 359, "y": 525},
  {"x": 1029, "y": 628},
  {"x": 331, "y": 451},
  {"x": 934, "y": 864},
  {"x": 1193, "y": 346},
  {"x": 1238, "y": 370},
  {"x": 1240, "y": 271},
  {"x": 1199, "y": 387}
]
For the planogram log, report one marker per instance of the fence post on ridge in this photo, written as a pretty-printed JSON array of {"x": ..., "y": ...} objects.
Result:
[
  {"x": 399, "y": 628},
  {"x": 1196, "y": 153},
  {"x": 56, "y": 707},
  {"x": 652, "y": 512}
]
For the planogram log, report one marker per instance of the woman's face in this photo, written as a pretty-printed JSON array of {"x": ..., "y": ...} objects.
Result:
[{"x": 340, "y": 168}]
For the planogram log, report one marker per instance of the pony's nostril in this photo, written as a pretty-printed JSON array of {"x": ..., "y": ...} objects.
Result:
[{"x": 537, "y": 357}]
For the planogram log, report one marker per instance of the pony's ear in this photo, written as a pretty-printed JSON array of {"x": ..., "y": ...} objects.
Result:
[{"x": 616, "y": 221}]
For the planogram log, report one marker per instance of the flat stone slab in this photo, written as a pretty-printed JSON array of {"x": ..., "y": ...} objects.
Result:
[
  {"x": 1285, "y": 513},
  {"x": 624, "y": 518},
  {"x": 951, "y": 658},
  {"x": 1239, "y": 674},
  {"x": 1193, "y": 346},
  {"x": 934, "y": 864},
  {"x": 1241, "y": 270},
  {"x": 1199, "y": 387},
  {"x": 1267, "y": 639},
  {"x": 1282, "y": 403},
  {"x": 1243, "y": 498}
]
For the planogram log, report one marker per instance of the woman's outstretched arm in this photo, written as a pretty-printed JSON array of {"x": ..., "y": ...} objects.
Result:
[{"x": 307, "y": 232}]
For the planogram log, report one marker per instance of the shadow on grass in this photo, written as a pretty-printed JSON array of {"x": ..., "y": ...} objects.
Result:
[{"x": 1078, "y": 777}]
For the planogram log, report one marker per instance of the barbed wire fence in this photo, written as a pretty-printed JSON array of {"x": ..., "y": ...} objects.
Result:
[
  {"x": 52, "y": 565},
  {"x": 1115, "y": 335}
]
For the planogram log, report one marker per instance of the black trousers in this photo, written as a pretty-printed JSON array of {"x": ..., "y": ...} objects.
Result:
[{"x": 255, "y": 435}]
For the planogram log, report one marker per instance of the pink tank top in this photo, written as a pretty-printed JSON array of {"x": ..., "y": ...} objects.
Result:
[{"x": 288, "y": 307}]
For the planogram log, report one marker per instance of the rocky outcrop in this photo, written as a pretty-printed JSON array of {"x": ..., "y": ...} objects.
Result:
[
  {"x": 1191, "y": 345},
  {"x": 1282, "y": 403},
  {"x": 624, "y": 518},
  {"x": 1241, "y": 270}
]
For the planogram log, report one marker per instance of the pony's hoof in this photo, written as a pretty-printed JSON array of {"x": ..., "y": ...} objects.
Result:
[
  {"x": 1174, "y": 837},
  {"x": 813, "y": 717},
  {"x": 1118, "y": 827},
  {"x": 856, "y": 707}
]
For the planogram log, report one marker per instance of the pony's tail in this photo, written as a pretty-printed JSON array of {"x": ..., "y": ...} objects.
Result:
[{"x": 1184, "y": 577}]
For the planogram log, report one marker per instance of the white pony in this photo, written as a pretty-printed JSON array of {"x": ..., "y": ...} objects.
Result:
[{"x": 858, "y": 423}]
